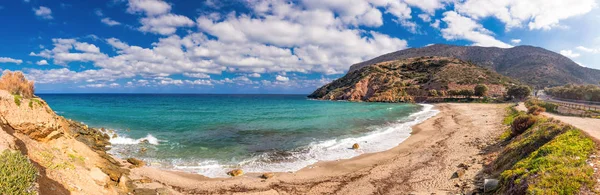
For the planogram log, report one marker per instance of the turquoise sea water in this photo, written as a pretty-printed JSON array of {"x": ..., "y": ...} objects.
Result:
[{"x": 210, "y": 134}]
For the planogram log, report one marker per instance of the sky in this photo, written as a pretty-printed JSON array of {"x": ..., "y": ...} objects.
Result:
[{"x": 263, "y": 46}]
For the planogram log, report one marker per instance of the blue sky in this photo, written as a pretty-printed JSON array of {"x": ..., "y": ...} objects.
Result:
[{"x": 263, "y": 46}]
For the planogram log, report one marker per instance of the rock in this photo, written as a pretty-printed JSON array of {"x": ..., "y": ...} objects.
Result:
[
  {"x": 355, "y": 146},
  {"x": 235, "y": 172},
  {"x": 458, "y": 174},
  {"x": 145, "y": 180},
  {"x": 99, "y": 177},
  {"x": 143, "y": 150},
  {"x": 267, "y": 175},
  {"x": 53, "y": 135},
  {"x": 490, "y": 185},
  {"x": 125, "y": 184},
  {"x": 463, "y": 165},
  {"x": 136, "y": 162},
  {"x": 144, "y": 141}
]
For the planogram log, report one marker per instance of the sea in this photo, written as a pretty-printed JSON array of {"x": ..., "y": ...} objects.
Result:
[{"x": 212, "y": 134}]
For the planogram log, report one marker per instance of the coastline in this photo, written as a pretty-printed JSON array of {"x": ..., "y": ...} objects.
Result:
[{"x": 423, "y": 163}]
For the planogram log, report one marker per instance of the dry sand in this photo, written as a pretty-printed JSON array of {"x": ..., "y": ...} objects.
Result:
[{"x": 422, "y": 164}]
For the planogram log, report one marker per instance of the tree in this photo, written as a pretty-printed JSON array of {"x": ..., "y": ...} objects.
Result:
[
  {"x": 16, "y": 84},
  {"x": 519, "y": 92},
  {"x": 467, "y": 93},
  {"x": 481, "y": 90}
]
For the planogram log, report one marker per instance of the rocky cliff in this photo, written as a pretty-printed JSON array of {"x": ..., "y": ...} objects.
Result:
[
  {"x": 70, "y": 157},
  {"x": 411, "y": 80},
  {"x": 535, "y": 66}
]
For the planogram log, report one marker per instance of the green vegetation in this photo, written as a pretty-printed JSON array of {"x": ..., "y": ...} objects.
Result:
[
  {"x": 519, "y": 92},
  {"x": 481, "y": 90},
  {"x": 17, "y": 174},
  {"x": 558, "y": 167},
  {"x": 548, "y": 157},
  {"x": 17, "y": 99},
  {"x": 576, "y": 92},
  {"x": 550, "y": 107}
]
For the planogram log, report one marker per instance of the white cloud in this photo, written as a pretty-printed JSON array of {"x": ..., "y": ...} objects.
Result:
[
  {"x": 86, "y": 47},
  {"x": 515, "y": 41},
  {"x": 42, "y": 62},
  {"x": 110, "y": 22},
  {"x": 425, "y": 17},
  {"x": 460, "y": 27},
  {"x": 43, "y": 12},
  {"x": 10, "y": 60},
  {"x": 197, "y": 75},
  {"x": 536, "y": 14},
  {"x": 588, "y": 50},
  {"x": 282, "y": 78},
  {"x": 255, "y": 75},
  {"x": 569, "y": 53},
  {"x": 148, "y": 7},
  {"x": 165, "y": 24}
]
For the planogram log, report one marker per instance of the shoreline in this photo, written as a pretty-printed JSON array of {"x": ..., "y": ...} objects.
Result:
[
  {"x": 405, "y": 163},
  {"x": 384, "y": 138}
]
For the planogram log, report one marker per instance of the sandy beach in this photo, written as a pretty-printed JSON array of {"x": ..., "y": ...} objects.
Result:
[{"x": 427, "y": 162}]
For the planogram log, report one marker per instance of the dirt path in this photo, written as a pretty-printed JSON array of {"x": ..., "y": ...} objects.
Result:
[
  {"x": 423, "y": 164},
  {"x": 590, "y": 126}
]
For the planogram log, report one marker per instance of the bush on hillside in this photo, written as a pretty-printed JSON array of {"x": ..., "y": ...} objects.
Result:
[
  {"x": 535, "y": 110},
  {"x": 519, "y": 92},
  {"x": 16, "y": 84},
  {"x": 522, "y": 123},
  {"x": 481, "y": 90},
  {"x": 17, "y": 174}
]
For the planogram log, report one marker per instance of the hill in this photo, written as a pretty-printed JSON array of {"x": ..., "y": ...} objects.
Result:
[
  {"x": 412, "y": 80},
  {"x": 535, "y": 66}
]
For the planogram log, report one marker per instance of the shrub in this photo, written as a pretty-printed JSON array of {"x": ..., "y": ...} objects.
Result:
[
  {"x": 522, "y": 123},
  {"x": 17, "y": 174},
  {"x": 433, "y": 93},
  {"x": 535, "y": 110},
  {"x": 481, "y": 90},
  {"x": 467, "y": 92},
  {"x": 16, "y": 84},
  {"x": 519, "y": 92}
]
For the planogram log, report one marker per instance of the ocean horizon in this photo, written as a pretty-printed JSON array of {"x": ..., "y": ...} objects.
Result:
[{"x": 210, "y": 134}]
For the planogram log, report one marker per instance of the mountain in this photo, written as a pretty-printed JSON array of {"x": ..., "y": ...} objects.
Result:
[
  {"x": 535, "y": 66},
  {"x": 412, "y": 80}
]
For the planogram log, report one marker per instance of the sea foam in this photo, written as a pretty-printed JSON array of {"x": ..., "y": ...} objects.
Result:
[
  {"x": 383, "y": 138},
  {"x": 123, "y": 140}
]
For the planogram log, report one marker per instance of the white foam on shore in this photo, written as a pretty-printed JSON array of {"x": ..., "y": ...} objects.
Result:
[
  {"x": 384, "y": 138},
  {"x": 123, "y": 140}
]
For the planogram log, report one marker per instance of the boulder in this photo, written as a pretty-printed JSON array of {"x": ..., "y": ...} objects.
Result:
[
  {"x": 136, "y": 162},
  {"x": 99, "y": 177},
  {"x": 355, "y": 146},
  {"x": 125, "y": 184},
  {"x": 267, "y": 175},
  {"x": 489, "y": 185},
  {"x": 458, "y": 174},
  {"x": 235, "y": 172}
]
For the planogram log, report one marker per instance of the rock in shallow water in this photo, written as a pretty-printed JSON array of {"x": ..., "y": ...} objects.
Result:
[
  {"x": 235, "y": 172},
  {"x": 355, "y": 146}
]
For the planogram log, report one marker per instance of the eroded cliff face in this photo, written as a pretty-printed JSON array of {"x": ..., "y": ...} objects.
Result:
[
  {"x": 411, "y": 80},
  {"x": 70, "y": 156}
]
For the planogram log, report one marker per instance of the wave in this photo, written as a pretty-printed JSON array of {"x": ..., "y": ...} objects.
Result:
[
  {"x": 384, "y": 138},
  {"x": 123, "y": 140}
]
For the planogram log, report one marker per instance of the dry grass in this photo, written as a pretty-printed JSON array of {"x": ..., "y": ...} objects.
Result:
[{"x": 16, "y": 84}]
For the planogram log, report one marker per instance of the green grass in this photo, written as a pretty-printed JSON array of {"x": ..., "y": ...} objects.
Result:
[
  {"x": 18, "y": 99},
  {"x": 558, "y": 167},
  {"x": 548, "y": 158},
  {"x": 17, "y": 174}
]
